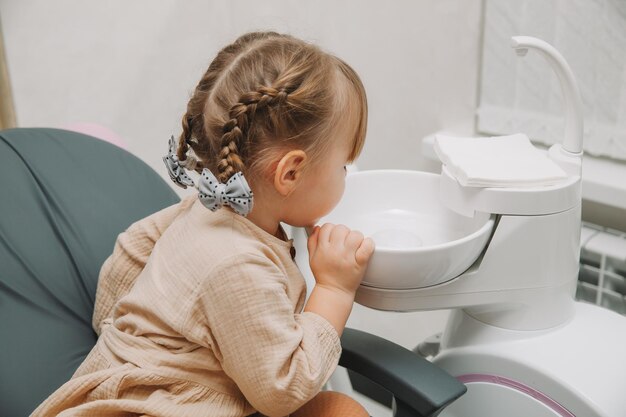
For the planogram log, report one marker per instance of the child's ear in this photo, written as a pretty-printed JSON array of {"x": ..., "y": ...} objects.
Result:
[{"x": 288, "y": 171}]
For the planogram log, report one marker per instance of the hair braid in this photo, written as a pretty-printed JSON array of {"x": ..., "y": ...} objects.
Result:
[
  {"x": 194, "y": 111},
  {"x": 193, "y": 119},
  {"x": 236, "y": 129},
  {"x": 264, "y": 93}
]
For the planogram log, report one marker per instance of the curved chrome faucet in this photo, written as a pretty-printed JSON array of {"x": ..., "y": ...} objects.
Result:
[{"x": 573, "y": 135}]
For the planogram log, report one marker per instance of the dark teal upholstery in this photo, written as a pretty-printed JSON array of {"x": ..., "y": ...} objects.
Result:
[{"x": 64, "y": 198}]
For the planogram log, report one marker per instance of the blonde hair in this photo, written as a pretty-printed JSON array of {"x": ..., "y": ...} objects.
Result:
[{"x": 268, "y": 92}]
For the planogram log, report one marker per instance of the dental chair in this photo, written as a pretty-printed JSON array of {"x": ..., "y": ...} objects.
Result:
[{"x": 64, "y": 199}]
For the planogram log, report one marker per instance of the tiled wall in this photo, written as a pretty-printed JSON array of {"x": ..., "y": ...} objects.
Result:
[{"x": 524, "y": 95}]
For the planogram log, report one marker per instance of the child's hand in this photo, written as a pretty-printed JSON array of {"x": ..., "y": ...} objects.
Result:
[{"x": 339, "y": 256}]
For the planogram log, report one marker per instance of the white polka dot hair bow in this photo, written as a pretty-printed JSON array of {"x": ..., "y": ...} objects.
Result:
[
  {"x": 175, "y": 168},
  {"x": 236, "y": 193}
]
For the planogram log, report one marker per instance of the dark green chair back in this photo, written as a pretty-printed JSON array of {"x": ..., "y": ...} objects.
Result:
[{"x": 64, "y": 198}]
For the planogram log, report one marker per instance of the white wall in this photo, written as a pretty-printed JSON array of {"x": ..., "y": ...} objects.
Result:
[{"x": 131, "y": 66}]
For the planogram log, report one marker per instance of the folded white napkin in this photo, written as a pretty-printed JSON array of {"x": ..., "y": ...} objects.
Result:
[{"x": 499, "y": 161}]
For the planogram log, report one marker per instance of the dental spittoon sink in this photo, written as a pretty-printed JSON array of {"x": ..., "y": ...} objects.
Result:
[{"x": 419, "y": 242}]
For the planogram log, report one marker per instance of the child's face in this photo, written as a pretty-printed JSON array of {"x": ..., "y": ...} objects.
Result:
[{"x": 322, "y": 186}]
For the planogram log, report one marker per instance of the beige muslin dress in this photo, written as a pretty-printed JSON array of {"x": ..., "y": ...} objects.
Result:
[{"x": 212, "y": 326}]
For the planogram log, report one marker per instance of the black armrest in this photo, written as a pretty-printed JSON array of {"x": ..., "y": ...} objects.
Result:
[{"x": 419, "y": 388}]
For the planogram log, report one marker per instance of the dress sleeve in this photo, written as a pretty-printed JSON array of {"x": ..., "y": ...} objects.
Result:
[
  {"x": 279, "y": 359},
  {"x": 130, "y": 254}
]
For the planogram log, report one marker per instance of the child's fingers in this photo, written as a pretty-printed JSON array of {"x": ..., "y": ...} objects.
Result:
[
  {"x": 338, "y": 235},
  {"x": 324, "y": 233},
  {"x": 353, "y": 240},
  {"x": 365, "y": 251}
]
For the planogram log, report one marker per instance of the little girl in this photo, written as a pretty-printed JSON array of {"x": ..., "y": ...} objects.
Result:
[{"x": 200, "y": 309}]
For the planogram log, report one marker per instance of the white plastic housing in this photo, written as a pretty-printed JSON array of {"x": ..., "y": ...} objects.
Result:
[
  {"x": 576, "y": 367},
  {"x": 509, "y": 200},
  {"x": 525, "y": 279}
]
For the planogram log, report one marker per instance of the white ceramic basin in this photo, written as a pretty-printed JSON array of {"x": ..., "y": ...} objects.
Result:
[{"x": 419, "y": 242}]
